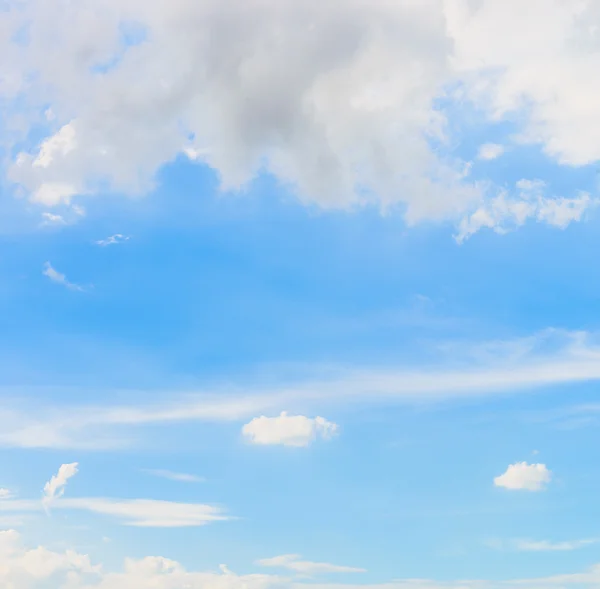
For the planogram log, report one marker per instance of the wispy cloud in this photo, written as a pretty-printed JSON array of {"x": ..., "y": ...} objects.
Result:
[
  {"x": 547, "y": 546},
  {"x": 294, "y": 562},
  {"x": 148, "y": 513},
  {"x": 55, "y": 487},
  {"x": 59, "y": 278},
  {"x": 174, "y": 476},
  {"x": 130, "y": 512},
  {"x": 503, "y": 368},
  {"x": 112, "y": 240},
  {"x": 52, "y": 219}
]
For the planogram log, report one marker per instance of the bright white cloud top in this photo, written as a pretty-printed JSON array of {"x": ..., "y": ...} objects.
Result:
[
  {"x": 523, "y": 476},
  {"x": 288, "y": 430}
]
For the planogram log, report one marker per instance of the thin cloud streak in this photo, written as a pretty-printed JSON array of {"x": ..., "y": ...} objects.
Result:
[{"x": 575, "y": 361}]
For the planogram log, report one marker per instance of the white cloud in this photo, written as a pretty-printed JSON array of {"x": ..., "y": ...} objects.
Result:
[
  {"x": 490, "y": 151},
  {"x": 341, "y": 109},
  {"x": 547, "y": 546},
  {"x": 506, "y": 212},
  {"x": 149, "y": 513},
  {"x": 59, "y": 278},
  {"x": 112, "y": 240},
  {"x": 55, "y": 487},
  {"x": 52, "y": 219},
  {"x": 131, "y": 512},
  {"x": 5, "y": 493},
  {"x": 22, "y": 567},
  {"x": 523, "y": 476},
  {"x": 473, "y": 369},
  {"x": 175, "y": 476},
  {"x": 295, "y": 563},
  {"x": 288, "y": 430}
]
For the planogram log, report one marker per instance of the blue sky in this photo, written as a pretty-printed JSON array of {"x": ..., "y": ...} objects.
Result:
[{"x": 307, "y": 305}]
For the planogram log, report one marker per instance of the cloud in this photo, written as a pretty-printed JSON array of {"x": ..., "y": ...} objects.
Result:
[
  {"x": 294, "y": 563},
  {"x": 5, "y": 493},
  {"x": 52, "y": 219},
  {"x": 288, "y": 430},
  {"x": 507, "y": 212},
  {"x": 149, "y": 513},
  {"x": 490, "y": 151},
  {"x": 340, "y": 101},
  {"x": 175, "y": 476},
  {"x": 467, "y": 370},
  {"x": 130, "y": 512},
  {"x": 523, "y": 476},
  {"x": 341, "y": 109},
  {"x": 55, "y": 487},
  {"x": 144, "y": 513},
  {"x": 59, "y": 278},
  {"x": 112, "y": 240},
  {"x": 547, "y": 546},
  {"x": 38, "y": 568}
]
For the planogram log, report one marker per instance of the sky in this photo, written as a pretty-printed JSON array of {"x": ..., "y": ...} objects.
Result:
[{"x": 299, "y": 295}]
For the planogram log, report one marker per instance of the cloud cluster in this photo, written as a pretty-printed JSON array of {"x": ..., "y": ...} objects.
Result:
[
  {"x": 342, "y": 100},
  {"x": 22, "y": 567}
]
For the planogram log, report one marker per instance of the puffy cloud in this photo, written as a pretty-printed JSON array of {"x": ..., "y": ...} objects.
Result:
[
  {"x": 340, "y": 100},
  {"x": 59, "y": 278},
  {"x": 55, "y": 487},
  {"x": 288, "y": 430},
  {"x": 39, "y": 568},
  {"x": 25, "y": 568},
  {"x": 523, "y": 476},
  {"x": 295, "y": 563},
  {"x": 545, "y": 74}
]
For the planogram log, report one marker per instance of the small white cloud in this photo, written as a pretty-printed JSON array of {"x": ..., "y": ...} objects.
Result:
[
  {"x": 490, "y": 151},
  {"x": 112, "y": 240},
  {"x": 506, "y": 212},
  {"x": 523, "y": 476},
  {"x": 52, "y": 219},
  {"x": 288, "y": 430},
  {"x": 59, "y": 278},
  {"x": 5, "y": 493},
  {"x": 55, "y": 487},
  {"x": 175, "y": 476},
  {"x": 546, "y": 546},
  {"x": 293, "y": 562}
]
